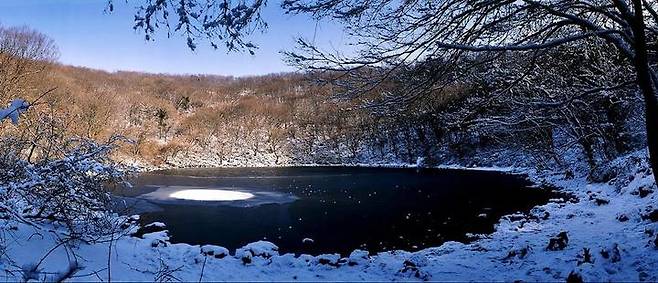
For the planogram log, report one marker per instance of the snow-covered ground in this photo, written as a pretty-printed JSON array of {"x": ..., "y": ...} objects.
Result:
[{"x": 607, "y": 234}]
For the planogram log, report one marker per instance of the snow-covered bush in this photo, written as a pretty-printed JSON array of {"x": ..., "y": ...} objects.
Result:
[{"x": 69, "y": 191}]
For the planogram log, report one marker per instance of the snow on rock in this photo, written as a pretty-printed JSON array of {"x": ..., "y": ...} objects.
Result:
[
  {"x": 158, "y": 239},
  {"x": 245, "y": 256},
  {"x": 216, "y": 251},
  {"x": 328, "y": 259},
  {"x": 155, "y": 227},
  {"x": 358, "y": 257},
  {"x": 262, "y": 249},
  {"x": 558, "y": 242}
]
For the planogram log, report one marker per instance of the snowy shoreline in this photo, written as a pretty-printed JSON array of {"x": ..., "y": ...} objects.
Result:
[
  {"x": 145, "y": 167},
  {"x": 601, "y": 245}
]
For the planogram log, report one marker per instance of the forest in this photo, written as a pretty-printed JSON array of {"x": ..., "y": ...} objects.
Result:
[
  {"x": 496, "y": 114},
  {"x": 514, "y": 138}
]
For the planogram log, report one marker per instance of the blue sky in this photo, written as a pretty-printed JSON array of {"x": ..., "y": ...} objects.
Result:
[{"x": 88, "y": 37}]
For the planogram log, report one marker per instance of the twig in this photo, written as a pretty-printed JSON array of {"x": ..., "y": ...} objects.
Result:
[{"x": 203, "y": 267}]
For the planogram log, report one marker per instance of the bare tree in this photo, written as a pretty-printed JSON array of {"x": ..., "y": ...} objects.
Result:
[
  {"x": 95, "y": 113},
  {"x": 217, "y": 22},
  {"x": 407, "y": 35},
  {"x": 24, "y": 55}
]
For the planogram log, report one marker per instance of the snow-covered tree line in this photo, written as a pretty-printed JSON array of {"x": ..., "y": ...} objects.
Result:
[{"x": 288, "y": 119}]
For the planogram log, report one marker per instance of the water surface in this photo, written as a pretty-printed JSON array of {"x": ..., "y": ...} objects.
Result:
[{"x": 339, "y": 208}]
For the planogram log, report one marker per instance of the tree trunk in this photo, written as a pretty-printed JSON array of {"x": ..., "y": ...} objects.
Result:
[
  {"x": 588, "y": 149},
  {"x": 651, "y": 106},
  {"x": 647, "y": 84}
]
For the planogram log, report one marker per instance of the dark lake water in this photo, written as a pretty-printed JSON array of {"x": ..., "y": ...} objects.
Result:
[{"x": 339, "y": 208}]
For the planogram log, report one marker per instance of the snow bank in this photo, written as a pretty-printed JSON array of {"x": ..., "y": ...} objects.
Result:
[{"x": 608, "y": 233}]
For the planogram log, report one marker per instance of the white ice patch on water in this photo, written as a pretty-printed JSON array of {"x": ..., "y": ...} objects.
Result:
[{"x": 210, "y": 195}]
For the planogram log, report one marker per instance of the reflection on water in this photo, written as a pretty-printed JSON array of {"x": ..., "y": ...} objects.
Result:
[{"x": 340, "y": 208}]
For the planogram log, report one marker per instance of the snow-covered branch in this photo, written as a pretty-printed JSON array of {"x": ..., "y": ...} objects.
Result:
[{"x": 14, "y": 110}]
